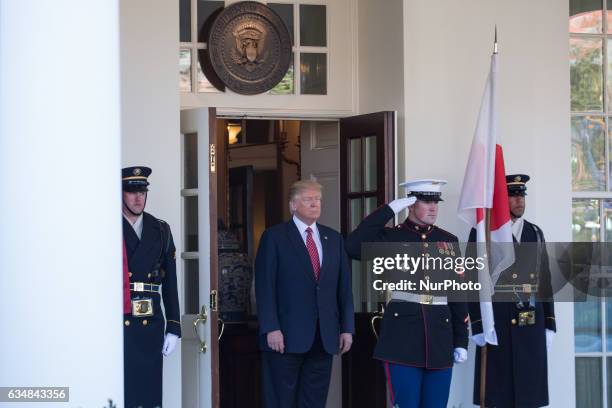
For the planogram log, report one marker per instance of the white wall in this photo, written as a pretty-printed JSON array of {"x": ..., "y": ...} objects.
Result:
[
  {"x": 60, "y": 245},
  {"x": 380, "y": 71},
  {"x": 150, "y": 124},
  {"x": 447, "y": 49}
]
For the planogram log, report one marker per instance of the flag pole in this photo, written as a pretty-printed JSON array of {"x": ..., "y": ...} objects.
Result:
[
  {"x": 483, "y": 350},
  {"x": 483, "y": 374}
]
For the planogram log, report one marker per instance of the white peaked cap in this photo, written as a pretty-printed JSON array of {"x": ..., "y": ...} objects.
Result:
[{"x": 424, "y": 186}]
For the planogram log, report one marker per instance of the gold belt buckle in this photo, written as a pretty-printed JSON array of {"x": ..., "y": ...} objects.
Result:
[
  {"x": 138, "y": 287},
  {"x": 526, "y": 318},
  {"x": 142, "y": 307},
  {"x": 427, "y": 299}
]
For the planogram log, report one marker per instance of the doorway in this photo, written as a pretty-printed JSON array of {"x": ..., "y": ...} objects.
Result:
[
  {"x": 258, "y": 161},
  {"x": 251, "y": 165}
]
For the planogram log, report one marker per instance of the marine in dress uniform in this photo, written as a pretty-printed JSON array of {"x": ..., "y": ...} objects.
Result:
[
  {"x": 516, "y": 373},
  {"x": 151, "y": 264},
  {"x": 421, "y": 335}
]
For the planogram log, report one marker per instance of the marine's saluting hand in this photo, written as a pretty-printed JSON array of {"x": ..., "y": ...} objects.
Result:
[{"x": 399, "y": 204}]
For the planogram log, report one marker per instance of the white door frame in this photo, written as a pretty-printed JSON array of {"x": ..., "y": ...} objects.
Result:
[{"x": 196, "y": 365}]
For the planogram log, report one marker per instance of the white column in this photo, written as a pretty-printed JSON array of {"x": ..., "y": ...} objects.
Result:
[{"x": 60, "y": 222}]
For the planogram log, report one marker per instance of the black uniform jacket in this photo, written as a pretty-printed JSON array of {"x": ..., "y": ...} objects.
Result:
[
  {"x": 153, "y": 260},
  {"x": 419, "y": 335},
  {"x": 517, "y": 374},
  {"x": 150, "y": 260}
]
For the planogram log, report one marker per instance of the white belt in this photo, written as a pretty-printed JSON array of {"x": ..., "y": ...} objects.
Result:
[
  {"x": 144, "y": 287},
  {"x": 419, "y": 298}
]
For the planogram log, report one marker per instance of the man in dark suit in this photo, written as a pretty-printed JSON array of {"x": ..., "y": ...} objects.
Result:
[
  {"x": 304, "y": 301},
  {"x": 152, "y": 278},
  {"x": 516, "y": 373}
]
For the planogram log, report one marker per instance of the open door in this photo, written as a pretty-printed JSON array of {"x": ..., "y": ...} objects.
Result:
[
  {"x": 200, "y": 345},
  {"x": 367, "y": 181},
  {"x": 320, "y": 158}
]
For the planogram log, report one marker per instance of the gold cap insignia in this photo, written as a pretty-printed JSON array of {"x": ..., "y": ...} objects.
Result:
[
  {"x": 137, "y": 171},
  {"x": 517, "y": 178}
]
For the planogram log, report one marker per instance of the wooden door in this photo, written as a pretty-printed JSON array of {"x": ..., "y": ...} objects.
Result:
[{"x": 367, "y": 181}]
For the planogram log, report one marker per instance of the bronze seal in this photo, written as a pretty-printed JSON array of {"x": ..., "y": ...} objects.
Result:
[{"x": 249, "y": 48}]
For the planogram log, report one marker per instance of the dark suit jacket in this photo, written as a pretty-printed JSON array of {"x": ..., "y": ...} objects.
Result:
[{"x": 291, "y": 300}]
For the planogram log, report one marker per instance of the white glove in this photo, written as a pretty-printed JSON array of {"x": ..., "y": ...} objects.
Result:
[
  {"x": 549, "y": 339},
  {"x": 460, "y": 355},
  {"x": 401, "y": 203},
  {"x": 479, "y": 339},
  {"x": 169, "y": 344}
]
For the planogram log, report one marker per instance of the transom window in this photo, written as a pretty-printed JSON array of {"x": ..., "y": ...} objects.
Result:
[{"x": 307, "y": 25}]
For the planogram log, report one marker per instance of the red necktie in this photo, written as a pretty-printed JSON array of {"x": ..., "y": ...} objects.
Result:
[{"x": 312, "y": 251}]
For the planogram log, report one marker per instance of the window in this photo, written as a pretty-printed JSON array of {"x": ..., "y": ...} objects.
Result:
[
  {"x": 193, "y": 15},
  {"x": 307, "y": 25},
  {"x": 363, "y": 198},
  {"x": 590, "y": 58},
  {"x": 367, "y": 155},
  {"x": 189, "y": 193}
]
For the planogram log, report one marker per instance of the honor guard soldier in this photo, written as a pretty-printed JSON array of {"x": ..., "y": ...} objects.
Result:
[
  {"x": 421, "y": 335},
  {"x": 516, "y": 368},
  {"x": 152, "y": 279}
]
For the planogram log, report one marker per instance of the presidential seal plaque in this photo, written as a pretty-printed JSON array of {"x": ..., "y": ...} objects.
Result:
[{"x": 249, "y": 48}]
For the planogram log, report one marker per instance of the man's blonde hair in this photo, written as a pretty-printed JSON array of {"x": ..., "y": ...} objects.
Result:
[{"x": 299, "y": 187}]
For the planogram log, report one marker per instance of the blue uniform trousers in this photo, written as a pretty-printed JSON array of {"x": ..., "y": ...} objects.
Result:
[{"x": 416, "y": 387}]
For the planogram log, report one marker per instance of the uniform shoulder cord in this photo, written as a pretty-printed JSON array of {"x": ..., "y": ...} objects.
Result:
[{"x": 163, "y": 252}]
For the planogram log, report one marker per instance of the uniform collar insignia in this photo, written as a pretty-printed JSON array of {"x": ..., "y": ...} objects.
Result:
[{"x": 416, "y": 227}]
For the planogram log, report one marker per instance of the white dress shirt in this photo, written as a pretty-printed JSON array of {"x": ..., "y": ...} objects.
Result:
[
  {"x": 137, "y": 225},
  {"x": 517, "y": 228},
  {"x": 315, "y": 235}
]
